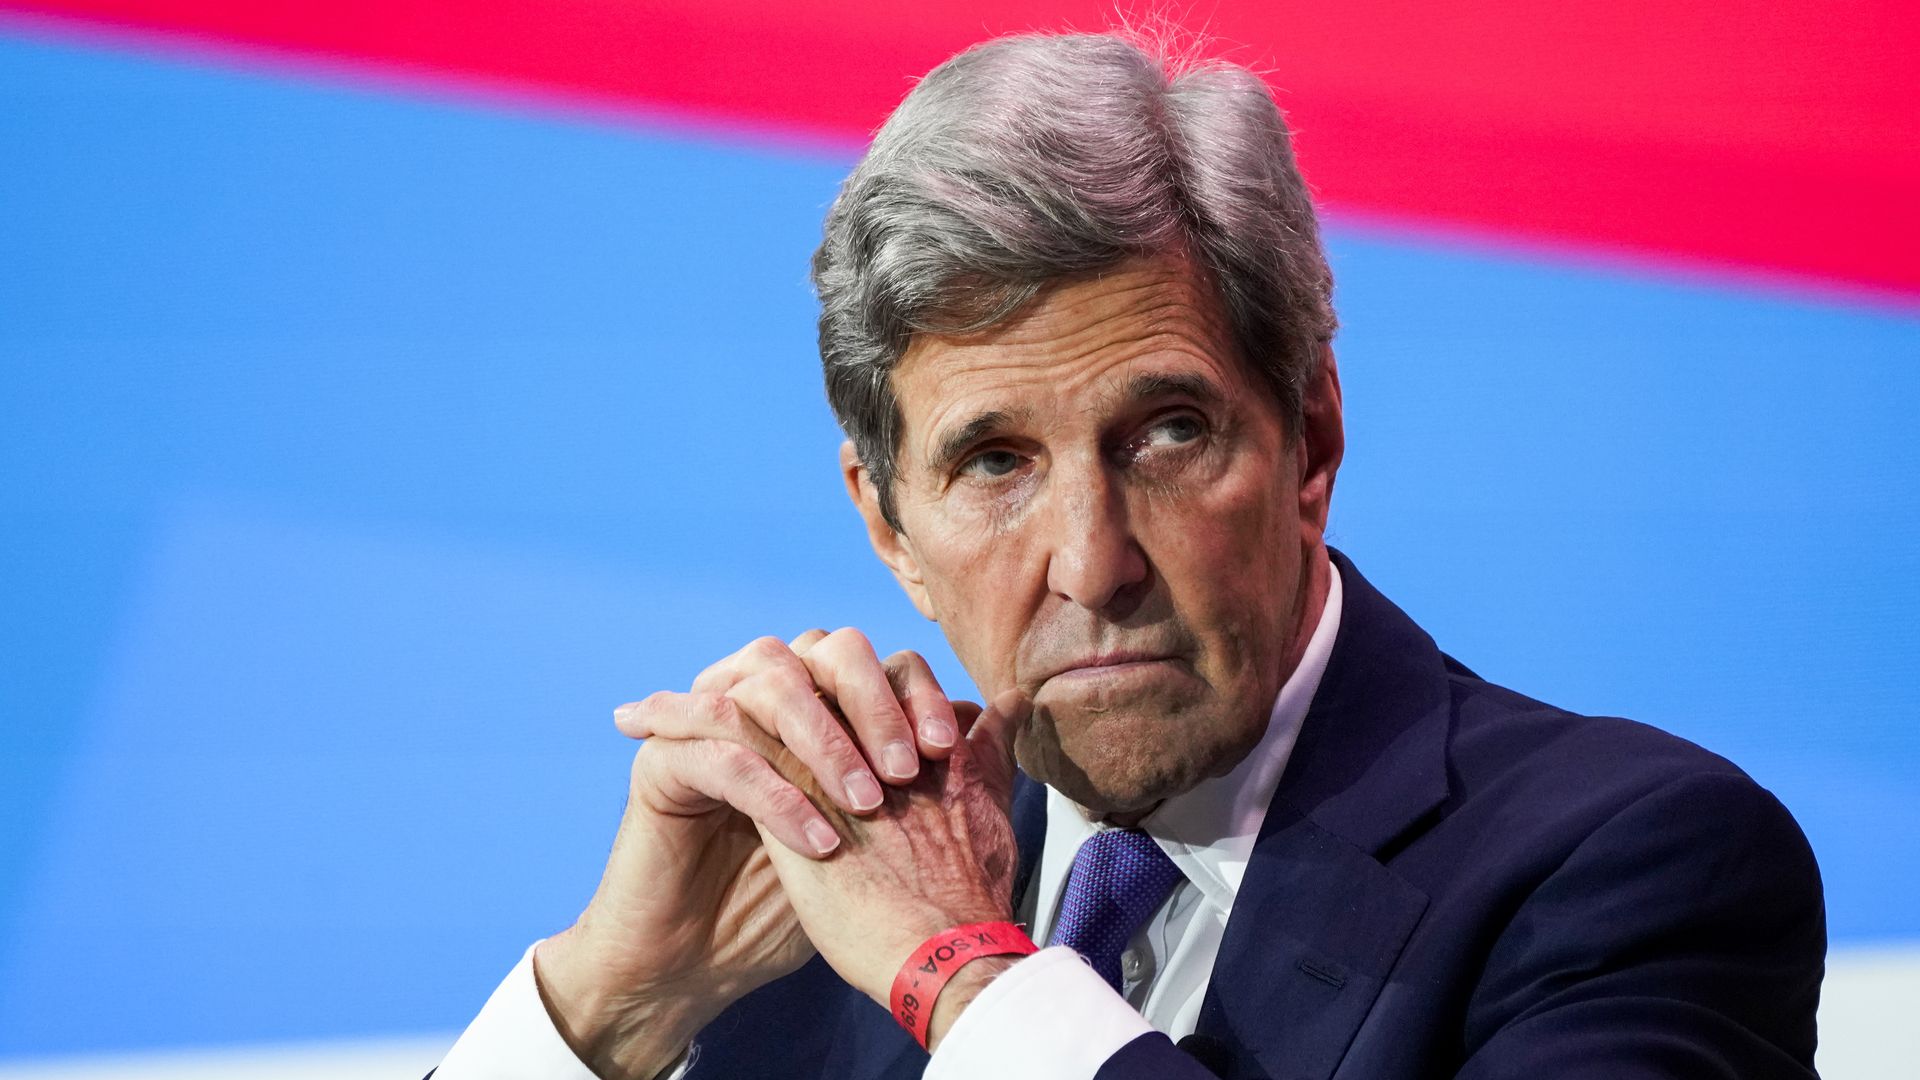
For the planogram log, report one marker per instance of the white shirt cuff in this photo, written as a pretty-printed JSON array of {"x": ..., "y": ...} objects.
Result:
[
  {"x": 513, "y": 1038},
  {"x": 1048, "y": 1017}
]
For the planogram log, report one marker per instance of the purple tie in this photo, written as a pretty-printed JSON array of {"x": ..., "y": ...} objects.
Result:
[{"x": 1119, "y": 877}]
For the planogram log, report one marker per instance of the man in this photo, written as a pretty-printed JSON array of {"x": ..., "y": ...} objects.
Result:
[{"x": 1076, "y": 323}]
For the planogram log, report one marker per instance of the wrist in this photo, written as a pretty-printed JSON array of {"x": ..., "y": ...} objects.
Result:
[
  {"x": 967, "y": 983},
  {"x": 616, "y": 1028}
]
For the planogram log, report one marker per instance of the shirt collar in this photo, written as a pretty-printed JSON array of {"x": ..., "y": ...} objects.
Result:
[{"x": 1209, "y": 831}]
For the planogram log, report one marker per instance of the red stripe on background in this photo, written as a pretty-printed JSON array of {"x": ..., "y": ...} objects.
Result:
[{"x": 1747, "y": 134}]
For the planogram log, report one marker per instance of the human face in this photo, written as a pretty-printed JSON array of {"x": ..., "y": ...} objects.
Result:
[{"x": 1102, "y": 508}]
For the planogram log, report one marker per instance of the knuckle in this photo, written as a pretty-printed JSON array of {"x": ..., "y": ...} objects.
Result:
[
  {"x": 823, "y": 741},
  {"x": 845, "y": 758},
  {"x": 734, "y": 762},
  {"x": 651, "y": 761},
  {"x": 884, "y": 704},
  {"x": 751, "y": 690},
  {"x": 714, "y": 707},
  {"x": 766, "y": 647},
  {"x": 795, "y": 683},
  {"x": 783, "y": 800},
  {"x": 908, "y": 660},
  {"x": 658, "y": 702},
  {"x": 642, "y": 718},
  {"x": 716, "y": 672},
  {"x": 910, "y": 676},
  {"x": 851, "y": 639}
]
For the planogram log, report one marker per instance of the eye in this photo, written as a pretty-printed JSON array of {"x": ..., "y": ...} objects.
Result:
[
  {"x": 1167, "y": 434},
  {"x": 1183, "y": 428},
  {"x": 991, "y": 463}
]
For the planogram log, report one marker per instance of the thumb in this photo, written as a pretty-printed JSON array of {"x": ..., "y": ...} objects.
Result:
[{"x": 990, "y": 742}]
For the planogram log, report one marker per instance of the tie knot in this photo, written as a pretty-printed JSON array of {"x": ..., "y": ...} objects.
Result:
[
  {"x": 1119, "y": 877},
  {"x": 1127, "y": 854}
]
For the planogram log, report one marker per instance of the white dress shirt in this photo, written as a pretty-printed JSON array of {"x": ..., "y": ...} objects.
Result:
[
  {"x": 1058, "y": 1020},
  {"x": 513, "y": 1038},
  {"x": 1048, "y": 1017}
]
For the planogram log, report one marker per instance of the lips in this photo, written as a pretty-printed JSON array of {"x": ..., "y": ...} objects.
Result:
[{"x": 1108, "y": 661}]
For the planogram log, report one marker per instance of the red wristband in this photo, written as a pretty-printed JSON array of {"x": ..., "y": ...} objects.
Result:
[{"x": 926, "y": 972}]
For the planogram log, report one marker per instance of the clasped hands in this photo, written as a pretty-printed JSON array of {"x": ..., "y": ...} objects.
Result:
[{"x": 803, "y": 796}]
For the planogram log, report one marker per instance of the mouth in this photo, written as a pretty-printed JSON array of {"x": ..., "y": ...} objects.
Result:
[{"x": 1114, "y": 665}]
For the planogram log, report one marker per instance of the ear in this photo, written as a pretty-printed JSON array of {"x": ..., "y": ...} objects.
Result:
[
  {"x": 1323, "y": 442},
  {"x": 888, "y": 542}
]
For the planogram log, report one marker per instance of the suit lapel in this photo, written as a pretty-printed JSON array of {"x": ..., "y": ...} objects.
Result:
[
  {"x": 1029, "y": 836},
  {"x": 1319, "y": 920}
]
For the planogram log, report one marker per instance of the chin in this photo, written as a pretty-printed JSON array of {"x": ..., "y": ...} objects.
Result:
[{"x": 1125, "y": 760}]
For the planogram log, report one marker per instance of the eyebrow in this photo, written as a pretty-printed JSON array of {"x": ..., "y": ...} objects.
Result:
[
  {"x": 1144, "y": 387},
  {"x": 1189, "y": 384},
  {"x": 963, "y": 437}
]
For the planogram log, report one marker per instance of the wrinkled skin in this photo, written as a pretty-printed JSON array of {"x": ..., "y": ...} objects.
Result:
[
  {"x": 1134, "y": 489},
  {"x": 689, "y": 915},
  {"x": 1107, "y": 515},
  {"x": 719, "y": 928},
  {"x": 939, "y": 854},
  {"x": 1125, "y": 550}
]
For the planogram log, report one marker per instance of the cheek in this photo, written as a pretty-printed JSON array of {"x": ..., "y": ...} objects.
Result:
[
  {"x": 978, "y": 584},
  {"x": 1231, "y": 559}
]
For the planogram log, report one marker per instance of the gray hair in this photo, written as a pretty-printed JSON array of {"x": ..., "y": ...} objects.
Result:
[{"x": 1031, "y": 159}]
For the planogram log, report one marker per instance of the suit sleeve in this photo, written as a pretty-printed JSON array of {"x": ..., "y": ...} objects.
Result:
[
  {"x": 1684, "y": 938},
  {"x": 1152, "y": 1057}
]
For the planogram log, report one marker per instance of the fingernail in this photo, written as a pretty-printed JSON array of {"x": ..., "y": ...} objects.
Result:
[
  {"x": 822, "y": 836},
  {"x": 862, "y": 789},
  {"x": 902, "y": 762},
  {"x": 937, "y": 732}
]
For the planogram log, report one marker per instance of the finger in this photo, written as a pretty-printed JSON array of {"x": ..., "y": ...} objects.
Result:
[
  {"x": 719, "y": 676},
  {"x": 805, "y": 641},
  {"x": 691, "y": 716},
  {"x": 785, "y": 704},
  {"x": 844, "y": 667},
  {"x": 668, "y": 715},
  {"x": 694, "y": 776},
  {"x": 965, "y": 715},
  {"x": 743, "y": 663},
  {"x": 926, "y": 705},
  {"x": 990, "y": 741}
]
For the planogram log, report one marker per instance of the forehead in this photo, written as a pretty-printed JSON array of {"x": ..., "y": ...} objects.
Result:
[{"x": 1082, "y": 344}]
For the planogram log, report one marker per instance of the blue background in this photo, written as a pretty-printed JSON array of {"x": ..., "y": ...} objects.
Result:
[{"x": 359, "y": 452}]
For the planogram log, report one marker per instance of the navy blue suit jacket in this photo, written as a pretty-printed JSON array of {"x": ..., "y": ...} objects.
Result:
[{"x": 1453, "y": 880}]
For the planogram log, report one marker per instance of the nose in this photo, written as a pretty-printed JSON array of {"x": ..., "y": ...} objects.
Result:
[{"x": 1095, "y": 561}]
